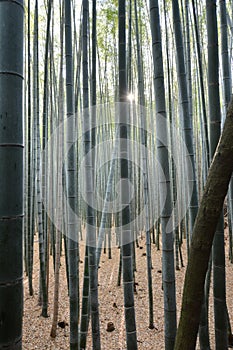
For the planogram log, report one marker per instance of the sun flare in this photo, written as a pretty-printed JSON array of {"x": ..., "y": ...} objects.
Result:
[{"x": 130, "y": 97}]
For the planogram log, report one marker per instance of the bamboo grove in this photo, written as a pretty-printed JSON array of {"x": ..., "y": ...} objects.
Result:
[{"x": 108, "y": 143}]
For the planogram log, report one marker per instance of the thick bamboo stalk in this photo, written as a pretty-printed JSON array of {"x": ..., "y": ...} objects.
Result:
[{"x": 11, "y": 173}]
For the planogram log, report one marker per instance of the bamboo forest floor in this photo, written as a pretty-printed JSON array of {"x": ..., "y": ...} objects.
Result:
[{"x": 36, "y": 329}]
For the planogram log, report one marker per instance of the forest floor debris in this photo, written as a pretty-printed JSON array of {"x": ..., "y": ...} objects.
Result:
[{"x": 36, "y": 329}]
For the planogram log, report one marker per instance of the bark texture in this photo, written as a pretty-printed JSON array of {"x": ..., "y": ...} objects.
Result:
[{"x": 203, "y": 234}]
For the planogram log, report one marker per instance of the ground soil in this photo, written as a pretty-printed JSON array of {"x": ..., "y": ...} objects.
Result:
[{"x": 36, "y": 329}]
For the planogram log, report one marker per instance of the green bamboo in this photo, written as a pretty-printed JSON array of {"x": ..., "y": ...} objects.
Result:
[
  {"x": 88, "y": 170},
  {"x": 44, "y": 180},
  {"x": 167, "y": 237},
  {"x": 143, "y": 124},
  {"x": 219, "y": 279},
  {"x": 11, "y": 173},
  {"x": 126, "y": 233},
  {"x": 60, "y": 143},
  {"x": 29, "y": 227},
  {"x": 43, "y": 288},
  {"x": 200, "y": 67},
  {"x": 72, "y": 232},
  {"x": 185, "y": 121}
]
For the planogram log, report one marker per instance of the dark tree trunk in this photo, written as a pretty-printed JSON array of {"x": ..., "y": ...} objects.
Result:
[
  {"x": 11, "y": 173},
  {"x": 203, "y": 235}
]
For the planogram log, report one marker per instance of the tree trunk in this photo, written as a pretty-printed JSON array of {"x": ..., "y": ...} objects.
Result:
[
  {"x": 11, "y": 174},
  {"x": 72, "y": 241},
  {"x": 126, "y": 233},
  {"x": 163, "y": 157},
  {"x": 186, "y": 121},
  {"x": 219, "y": 275},
  {"x": 60, "y": 144},
  {"x": 203, "y": 235}
]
